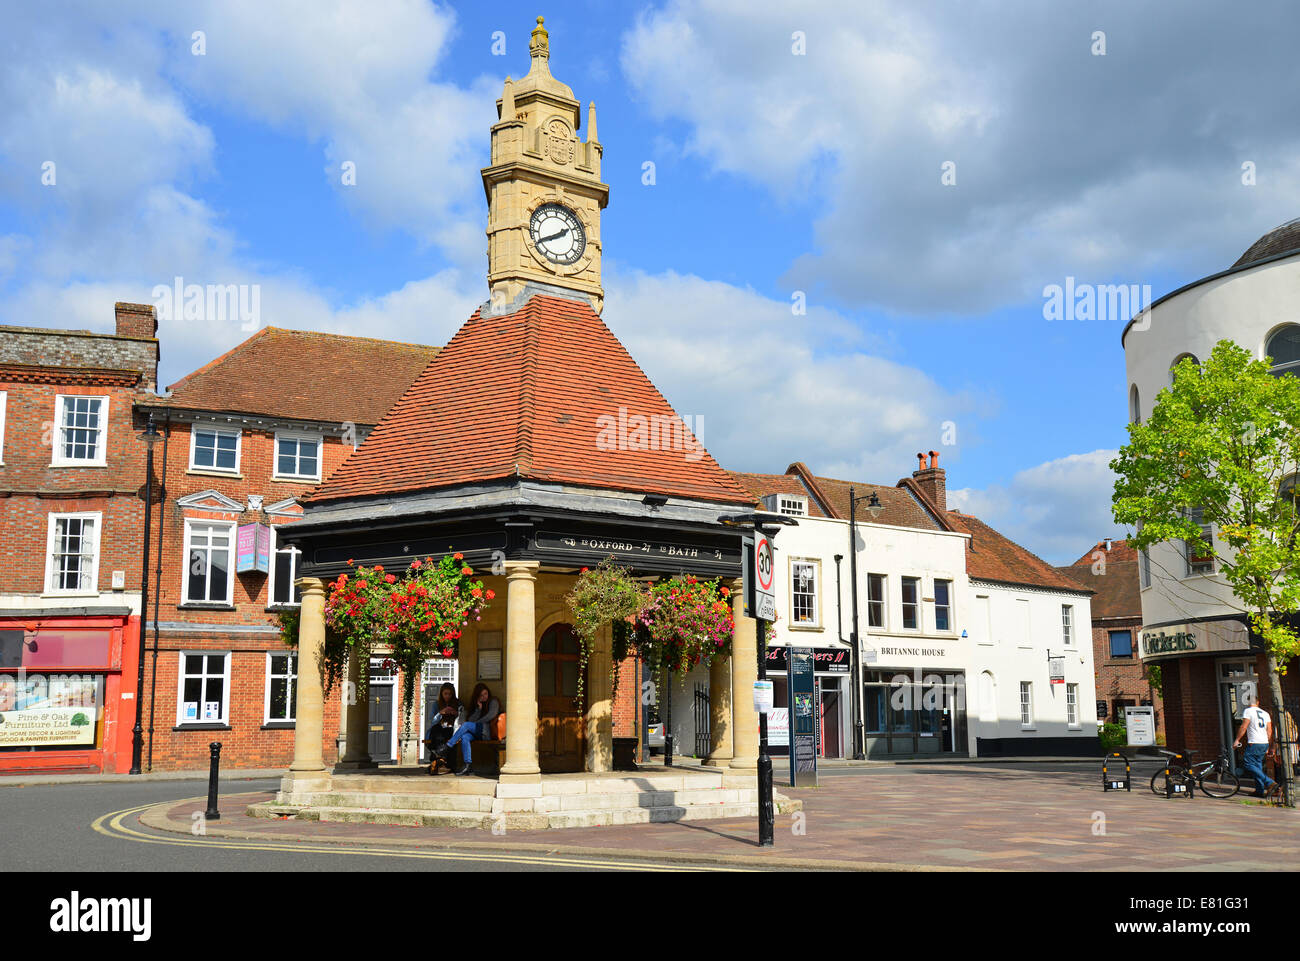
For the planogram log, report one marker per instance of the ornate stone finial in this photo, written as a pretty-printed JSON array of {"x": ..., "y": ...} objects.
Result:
[
  {"x": 591, "y": 123},
  {"x": 539, "y": 47}
]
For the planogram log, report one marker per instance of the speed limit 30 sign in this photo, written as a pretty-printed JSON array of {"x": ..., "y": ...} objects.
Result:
[{"x": 764, "y": 571}]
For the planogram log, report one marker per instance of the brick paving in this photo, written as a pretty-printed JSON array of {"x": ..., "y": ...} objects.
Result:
[{"x": 938, "y": 816}]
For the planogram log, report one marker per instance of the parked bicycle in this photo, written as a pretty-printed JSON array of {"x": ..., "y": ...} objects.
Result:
[{"x": 1215, "y": 778}]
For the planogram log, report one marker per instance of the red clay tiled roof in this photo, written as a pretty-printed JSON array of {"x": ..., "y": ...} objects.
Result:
[
  {"x": 760, "y": 485},
  {"x": 992, "y": 557},
  {"x": 1119, "y": 553},
  {"x": 1117, "y": 585},
  {"x": 531, "y": 394},
  {"x": 303, "y": 375},
  {"x": 901, "y": 508}
]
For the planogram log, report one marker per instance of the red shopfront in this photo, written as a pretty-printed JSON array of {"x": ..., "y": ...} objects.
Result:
[{"x": 67, "y": 690}]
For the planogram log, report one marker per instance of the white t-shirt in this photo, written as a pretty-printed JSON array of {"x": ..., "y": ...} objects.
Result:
[{"x": 1257, "y": 732}]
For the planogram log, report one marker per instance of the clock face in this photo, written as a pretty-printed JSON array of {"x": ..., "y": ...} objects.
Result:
[{"x": 557, "y": 234}]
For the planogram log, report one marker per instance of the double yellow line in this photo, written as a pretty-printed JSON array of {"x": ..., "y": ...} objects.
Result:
[{"x": 111, "y": 825}]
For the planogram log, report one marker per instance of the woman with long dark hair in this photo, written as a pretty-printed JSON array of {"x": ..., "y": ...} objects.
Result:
[
  {"x": 447, "y": 715},
  {"x": 484, "y": 709}
]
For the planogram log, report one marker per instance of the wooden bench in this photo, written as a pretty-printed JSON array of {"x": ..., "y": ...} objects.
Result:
[{"x": 486, "y": 757}]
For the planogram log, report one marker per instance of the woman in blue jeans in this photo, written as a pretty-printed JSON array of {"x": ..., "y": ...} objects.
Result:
[{"x": 484, "y": 710}]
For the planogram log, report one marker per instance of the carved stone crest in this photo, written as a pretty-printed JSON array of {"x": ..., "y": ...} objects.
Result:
[{"x": 560, "y": 145}]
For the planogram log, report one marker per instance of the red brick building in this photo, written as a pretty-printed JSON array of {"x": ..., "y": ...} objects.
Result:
[
  {"x": 245, "y": 437},
  {"x": 1110, "y": 568},
  {"x": 72, "y": 479}
]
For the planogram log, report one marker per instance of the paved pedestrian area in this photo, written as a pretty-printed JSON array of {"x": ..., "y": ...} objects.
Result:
[{"x": 1022, "y": 818}]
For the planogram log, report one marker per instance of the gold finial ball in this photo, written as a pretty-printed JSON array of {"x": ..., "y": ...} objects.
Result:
[{"x": 540, "y": 20}]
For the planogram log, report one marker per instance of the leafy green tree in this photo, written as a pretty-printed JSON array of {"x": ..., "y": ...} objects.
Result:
[{"x": 1223, "y": 438}]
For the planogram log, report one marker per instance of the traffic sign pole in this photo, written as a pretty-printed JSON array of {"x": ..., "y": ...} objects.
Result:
[{"x": 766, "y": 810}]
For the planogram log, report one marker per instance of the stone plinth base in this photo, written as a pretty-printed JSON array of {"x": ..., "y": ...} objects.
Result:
[{"x": 411, "y": 797}]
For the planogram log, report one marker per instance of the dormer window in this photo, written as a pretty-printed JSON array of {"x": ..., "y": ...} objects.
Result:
[{"x": 792, "y": 505}]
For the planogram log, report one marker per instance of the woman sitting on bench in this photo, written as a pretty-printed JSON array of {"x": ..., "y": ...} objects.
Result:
[
  {"x": 448, "y": 713},
  {"x": 484, "y": 710}
]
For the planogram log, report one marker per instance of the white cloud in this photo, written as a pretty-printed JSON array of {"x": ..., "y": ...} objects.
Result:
[
  {"x": 773, "y": 387},
  {"x": 1066, "y": 163},
  {"x": 1057, "y": 509},
  {"x": 109, "y": 99}
]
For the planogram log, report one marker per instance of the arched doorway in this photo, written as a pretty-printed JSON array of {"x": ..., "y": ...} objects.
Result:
[{"x": 561, "y": 717}]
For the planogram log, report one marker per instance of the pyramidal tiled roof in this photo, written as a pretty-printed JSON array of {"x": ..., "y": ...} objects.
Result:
[{"x": 531, "y": 394}]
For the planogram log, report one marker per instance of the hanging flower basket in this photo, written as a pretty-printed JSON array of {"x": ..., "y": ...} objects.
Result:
[
  {"x": 672, "y": 625},
  {"x": 418, "y": 614}
]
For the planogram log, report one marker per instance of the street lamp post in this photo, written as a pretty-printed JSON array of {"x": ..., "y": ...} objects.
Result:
[
  {"x": 766, "y": 808},
  {"x": 874, "y": 507},
  {"x": 149, "y": 437}
]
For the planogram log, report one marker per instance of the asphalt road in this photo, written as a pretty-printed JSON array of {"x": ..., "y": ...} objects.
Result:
[
  {"x": 93, "y": 827},
  {"x": 82, "y": 828}
]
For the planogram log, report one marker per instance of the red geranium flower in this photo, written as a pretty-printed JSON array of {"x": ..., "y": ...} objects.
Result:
[{"x": 466, "y": 571}]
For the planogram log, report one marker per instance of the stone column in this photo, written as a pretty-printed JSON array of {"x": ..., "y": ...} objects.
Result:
[
  {"x": 600, "y": 710},
  {"x": 356, "y": 710},
  {"x": 720, "y": 726},
  {"x": 521, "y": 673},
  {"x": 744, "y": 672},
  {"x": 309, "y": 725}
]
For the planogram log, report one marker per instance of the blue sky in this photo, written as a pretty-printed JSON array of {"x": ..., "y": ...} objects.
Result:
[{"x": 776, "y": 172}]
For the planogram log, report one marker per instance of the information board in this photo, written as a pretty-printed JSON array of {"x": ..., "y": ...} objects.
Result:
[
  {"x": 1141, "y": 724},
  {"x": 801, "y": 684}
]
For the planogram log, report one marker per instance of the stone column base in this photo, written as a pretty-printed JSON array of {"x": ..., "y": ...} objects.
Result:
[
  {"x": 507, "y": 778},
  {"x": 367, "y": 764},
  {"x": 718, "y": 762}
]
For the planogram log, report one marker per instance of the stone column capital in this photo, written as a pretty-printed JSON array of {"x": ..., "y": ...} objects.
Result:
[
  {"x": 310, "y": 585},
  {"x": 522, "y": 570}
]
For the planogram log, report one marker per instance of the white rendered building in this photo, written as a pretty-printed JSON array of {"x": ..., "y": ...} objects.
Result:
[
  {"x": 956, "y": 625},
  {"x": 1192, "y": 625}
]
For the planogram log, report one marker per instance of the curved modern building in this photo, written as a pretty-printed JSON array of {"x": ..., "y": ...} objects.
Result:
[{"x": 1192, "y": 625}]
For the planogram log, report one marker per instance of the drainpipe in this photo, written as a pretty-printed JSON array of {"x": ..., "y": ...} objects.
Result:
[
  {"x": 839, "y": 601},
  {"x": 157, "y": 588},
  {"x": 855, "y": 666}
]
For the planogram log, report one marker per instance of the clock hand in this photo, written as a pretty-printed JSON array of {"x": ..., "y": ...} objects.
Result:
[{"x": 554, "y": 236}]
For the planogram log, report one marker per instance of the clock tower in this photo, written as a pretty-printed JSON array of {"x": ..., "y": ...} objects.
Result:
[{"x": 543, "y": 187}]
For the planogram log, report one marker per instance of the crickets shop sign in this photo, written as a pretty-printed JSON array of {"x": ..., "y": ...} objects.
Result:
[{"x": 1198, "y": 637}]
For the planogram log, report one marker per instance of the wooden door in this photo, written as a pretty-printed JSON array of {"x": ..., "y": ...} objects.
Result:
[
  {"x": 380, "y": 739},
  {"x": 561, "y": 721}
]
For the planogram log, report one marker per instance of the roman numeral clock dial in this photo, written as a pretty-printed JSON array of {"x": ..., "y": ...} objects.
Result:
[{"x": 557, "y": 234}]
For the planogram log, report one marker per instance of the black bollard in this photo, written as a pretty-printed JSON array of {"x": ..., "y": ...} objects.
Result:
[
  {"x": 668, "y": 720},
  {"x": 212, "y": 814}
]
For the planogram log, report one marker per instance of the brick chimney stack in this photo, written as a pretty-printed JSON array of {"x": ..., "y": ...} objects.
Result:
[
  {"x": 140, "y": 322},
  {"x": 136, "y": 320},
  {"x": 932, "y": 480}
]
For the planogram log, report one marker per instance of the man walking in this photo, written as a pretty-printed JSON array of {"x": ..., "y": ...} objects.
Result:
[{"x": 1257, "y": 729}]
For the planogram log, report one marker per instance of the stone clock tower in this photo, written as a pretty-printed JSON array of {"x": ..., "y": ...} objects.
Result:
[{"x": 543, "y": 187}]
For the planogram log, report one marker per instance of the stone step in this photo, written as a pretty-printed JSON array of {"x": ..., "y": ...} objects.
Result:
[
  {"x": 481, "y": 803},
  {"x": 406, "y": 818},
  {"x": 656, "y": 815},
  {"x": 443, "y": 784},
  {"x": 648, "y": 799}
]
